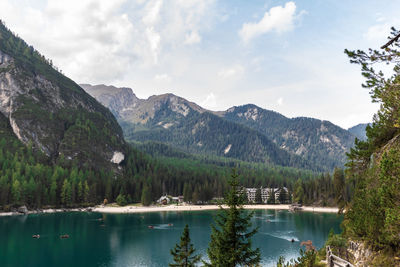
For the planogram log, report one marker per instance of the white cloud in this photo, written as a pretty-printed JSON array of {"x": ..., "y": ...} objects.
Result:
[
  {"x": 193, "y": 38},
  {"x": 210, "y": 102},
  {"x": 378, "y": 32},
  {"x": 279, "y": 19},
  {"x": 163, "y": 78},
  {"x": 231, "y": 72},
  {"x": 154, "y": 40},
  {"x": 98, "y": 41},
  {"x": 86, "y": 39},
  {"x": 152, "y": 12}
]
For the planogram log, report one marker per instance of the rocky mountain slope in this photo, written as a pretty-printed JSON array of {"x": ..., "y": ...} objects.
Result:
[
  {"x": 247, "y": 132},
  {"x": 359, "y": 131},
  {"x": 317, "y": 141},
  {"x": 48, "y": 110},
  {"x": 173, "y": 120}
]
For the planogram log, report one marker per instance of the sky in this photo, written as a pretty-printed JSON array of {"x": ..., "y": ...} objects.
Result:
[{"x": 285, "y": 56}]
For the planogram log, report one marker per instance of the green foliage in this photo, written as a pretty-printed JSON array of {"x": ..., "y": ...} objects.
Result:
[
  {"x": 283, "y": 196},
  {"x": 340, "y": 188},
  {"x": 338, "y": 244},
  {"x": 146, "y": 197},
  {"x": 374, "y": 164},
  {"x": 187, "y": 192},
  {"x": 307, "y": 259},
  {"x": 121, "y": 200},
  {"x": 298, "y": 191},
  {"x": 183, "y": 252},
  {"x": 230, "y": 239},
  {"x": 271, "y": 197},
  {"x": 258, "y": 197}
]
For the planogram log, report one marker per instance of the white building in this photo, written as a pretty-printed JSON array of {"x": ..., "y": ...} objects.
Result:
[
  {"x": 265, "y": 194},
  {"x": 163, "y": 200}
]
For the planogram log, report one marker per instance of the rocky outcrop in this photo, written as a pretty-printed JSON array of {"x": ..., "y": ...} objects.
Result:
[
  {"x": 361, "y": 255},
  {"x": 118, "y": 157},
  {"x": 128, "y": 108},
  {"x": 121, "y": 101}
]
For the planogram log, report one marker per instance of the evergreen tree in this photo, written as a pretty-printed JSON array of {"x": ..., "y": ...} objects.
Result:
[
  {"x": 146, "y": 196},
  {"x": 271, "y": 197},
  {"x": 283, "y": 196},
  {"x": 53, "y": 193},
  {"x": 86, "y": 192},
  {"x": 258, "y": 196},
  {"x": 16, "y": 191},
  {"x": 298, "y": 191},
  {"x": 195, "y": 196},
  {"x": 184, "y": 252},
  {"x": 339, "y": 186},
  {"x": 121, "y": 200},
  {"x": 374, "y": 212},
  {"x": 80, "y": 192},
  {"x": 187, "y": 192},
  {"x": 66, "y": 193},
  {"x": 230, "y": 240}
]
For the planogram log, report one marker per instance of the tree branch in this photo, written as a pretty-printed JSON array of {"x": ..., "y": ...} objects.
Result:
[{"x": 391, "y": 41}]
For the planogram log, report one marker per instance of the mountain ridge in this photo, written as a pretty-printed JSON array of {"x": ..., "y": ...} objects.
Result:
[
  {"x": 157, "y": 115},
  {"x": 359, "y": 130}
]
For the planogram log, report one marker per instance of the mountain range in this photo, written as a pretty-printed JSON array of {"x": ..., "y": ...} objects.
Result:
[
  {"x": 48, "y": 111},
  {"x": 246, "y": 132},
  {"x": 59, "y": 146}
]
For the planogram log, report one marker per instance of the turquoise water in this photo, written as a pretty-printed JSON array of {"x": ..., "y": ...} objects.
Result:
[{"x": 126, "y": 240}]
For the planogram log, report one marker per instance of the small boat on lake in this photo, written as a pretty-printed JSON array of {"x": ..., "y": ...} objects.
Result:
[
  {"x": 170, "y": 224},
  {"x": 36, "y": 236},
  {"x": 64, "y": 236},
  {"x": 150, "y": 227}
]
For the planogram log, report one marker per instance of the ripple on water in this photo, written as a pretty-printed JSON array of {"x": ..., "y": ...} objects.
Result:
[{"x": 285, "y": 235}]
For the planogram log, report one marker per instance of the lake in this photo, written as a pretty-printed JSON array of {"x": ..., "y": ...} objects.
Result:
[{"x": 126, "y": 240}]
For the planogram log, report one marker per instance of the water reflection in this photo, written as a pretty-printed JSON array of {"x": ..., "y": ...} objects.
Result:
[{"x": 126, "y": 240}]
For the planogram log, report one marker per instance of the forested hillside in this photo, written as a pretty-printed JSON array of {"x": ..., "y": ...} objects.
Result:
[
  {"x": 319, "y": 142},
  {"x": 247, "y": 132},
  {"x": 374, "y": 165},
  {"x": 209, "y": 134},
  {"x": 50, "y": 111}
]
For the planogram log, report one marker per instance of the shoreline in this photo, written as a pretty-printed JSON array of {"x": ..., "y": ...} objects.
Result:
[
  {"x": 142, "y": 209},
  {"x": 46, "y": 211}
]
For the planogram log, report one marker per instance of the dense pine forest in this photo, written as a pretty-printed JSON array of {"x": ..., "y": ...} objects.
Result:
[{"x": 26, "y": 178}]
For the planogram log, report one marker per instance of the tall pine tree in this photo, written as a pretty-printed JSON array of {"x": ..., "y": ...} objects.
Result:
[
  {"x": 230, "y": 239},
  {"x": 184, "y": 252}
]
